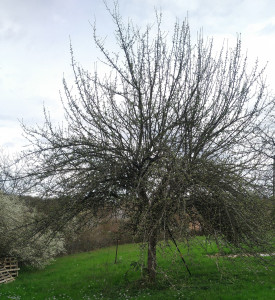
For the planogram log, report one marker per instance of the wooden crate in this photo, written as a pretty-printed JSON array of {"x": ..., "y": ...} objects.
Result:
[
  {"x": 11, "y": 264},
  {"x": 8, "y": 269},
  {"x": 5, "y": 275}
]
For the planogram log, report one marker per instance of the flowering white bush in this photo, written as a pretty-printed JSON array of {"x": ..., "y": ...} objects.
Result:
[{"x": 18, "y": 237}]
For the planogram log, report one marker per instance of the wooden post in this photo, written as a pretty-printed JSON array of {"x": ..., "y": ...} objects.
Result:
[
  {"x": 273, "y": 188},
  {"x": 116, "y": 251},
  {"x": 152, "y": 256}
]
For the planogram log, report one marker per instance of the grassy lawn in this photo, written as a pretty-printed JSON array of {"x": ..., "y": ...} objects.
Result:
[{"x": 94, "y": 275}]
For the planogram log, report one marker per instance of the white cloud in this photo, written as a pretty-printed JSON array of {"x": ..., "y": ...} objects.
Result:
[{"x": 10, "y": 30}]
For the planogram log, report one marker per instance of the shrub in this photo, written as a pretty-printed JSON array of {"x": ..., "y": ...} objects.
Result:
[{"x": 19, "y": 237}]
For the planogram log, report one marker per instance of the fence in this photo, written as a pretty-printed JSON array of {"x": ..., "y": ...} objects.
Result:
[{"x": 8, "y": 269}]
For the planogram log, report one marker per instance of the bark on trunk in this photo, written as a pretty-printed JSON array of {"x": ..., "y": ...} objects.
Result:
[{"x": 152, "y": 257}]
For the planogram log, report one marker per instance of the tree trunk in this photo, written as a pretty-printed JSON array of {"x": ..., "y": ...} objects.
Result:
[
  {"x": 152, "y": 255},
  {"x": 273, "y": 185}
]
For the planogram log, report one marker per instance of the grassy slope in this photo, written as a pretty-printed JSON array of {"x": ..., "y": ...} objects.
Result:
[{"x": 94, "y": 275}]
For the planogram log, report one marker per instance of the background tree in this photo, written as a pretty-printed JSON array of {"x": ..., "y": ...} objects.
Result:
[
  {"x": 265, "y": 145},
  {"x": 6, "y": 185},
  {"x": 161, "y": 139}
]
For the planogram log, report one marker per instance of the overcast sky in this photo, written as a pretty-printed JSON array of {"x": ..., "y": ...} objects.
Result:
[{"x": 34, "y": 45}]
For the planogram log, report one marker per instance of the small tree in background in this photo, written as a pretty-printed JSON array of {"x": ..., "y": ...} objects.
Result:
[
  {"x": 161, "y": 139},
  {"x": 265, "y": 145},
  {"x": 6, "y": 163}
]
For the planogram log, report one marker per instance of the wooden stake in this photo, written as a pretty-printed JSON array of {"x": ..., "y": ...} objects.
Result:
[
  {"x": 116, "y": 251},
  {"x": 174, "y": 241}
]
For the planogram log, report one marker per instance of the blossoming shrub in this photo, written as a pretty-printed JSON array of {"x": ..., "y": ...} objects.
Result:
[{"x": 18, "y": 237}]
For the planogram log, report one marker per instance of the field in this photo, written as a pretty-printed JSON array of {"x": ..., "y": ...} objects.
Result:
[{"x": 93, "y": 275}]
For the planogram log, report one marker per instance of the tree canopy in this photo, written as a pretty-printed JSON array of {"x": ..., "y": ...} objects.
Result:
[{"x": 161, "y": 139}]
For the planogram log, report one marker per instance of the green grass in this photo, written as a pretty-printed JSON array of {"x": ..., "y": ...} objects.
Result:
[{"x": 94, "y": 275}]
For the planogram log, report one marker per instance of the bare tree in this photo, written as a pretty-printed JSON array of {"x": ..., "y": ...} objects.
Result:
[
  {"x": 162, "y": 139},
  {"x": 8, "y": 167}
]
